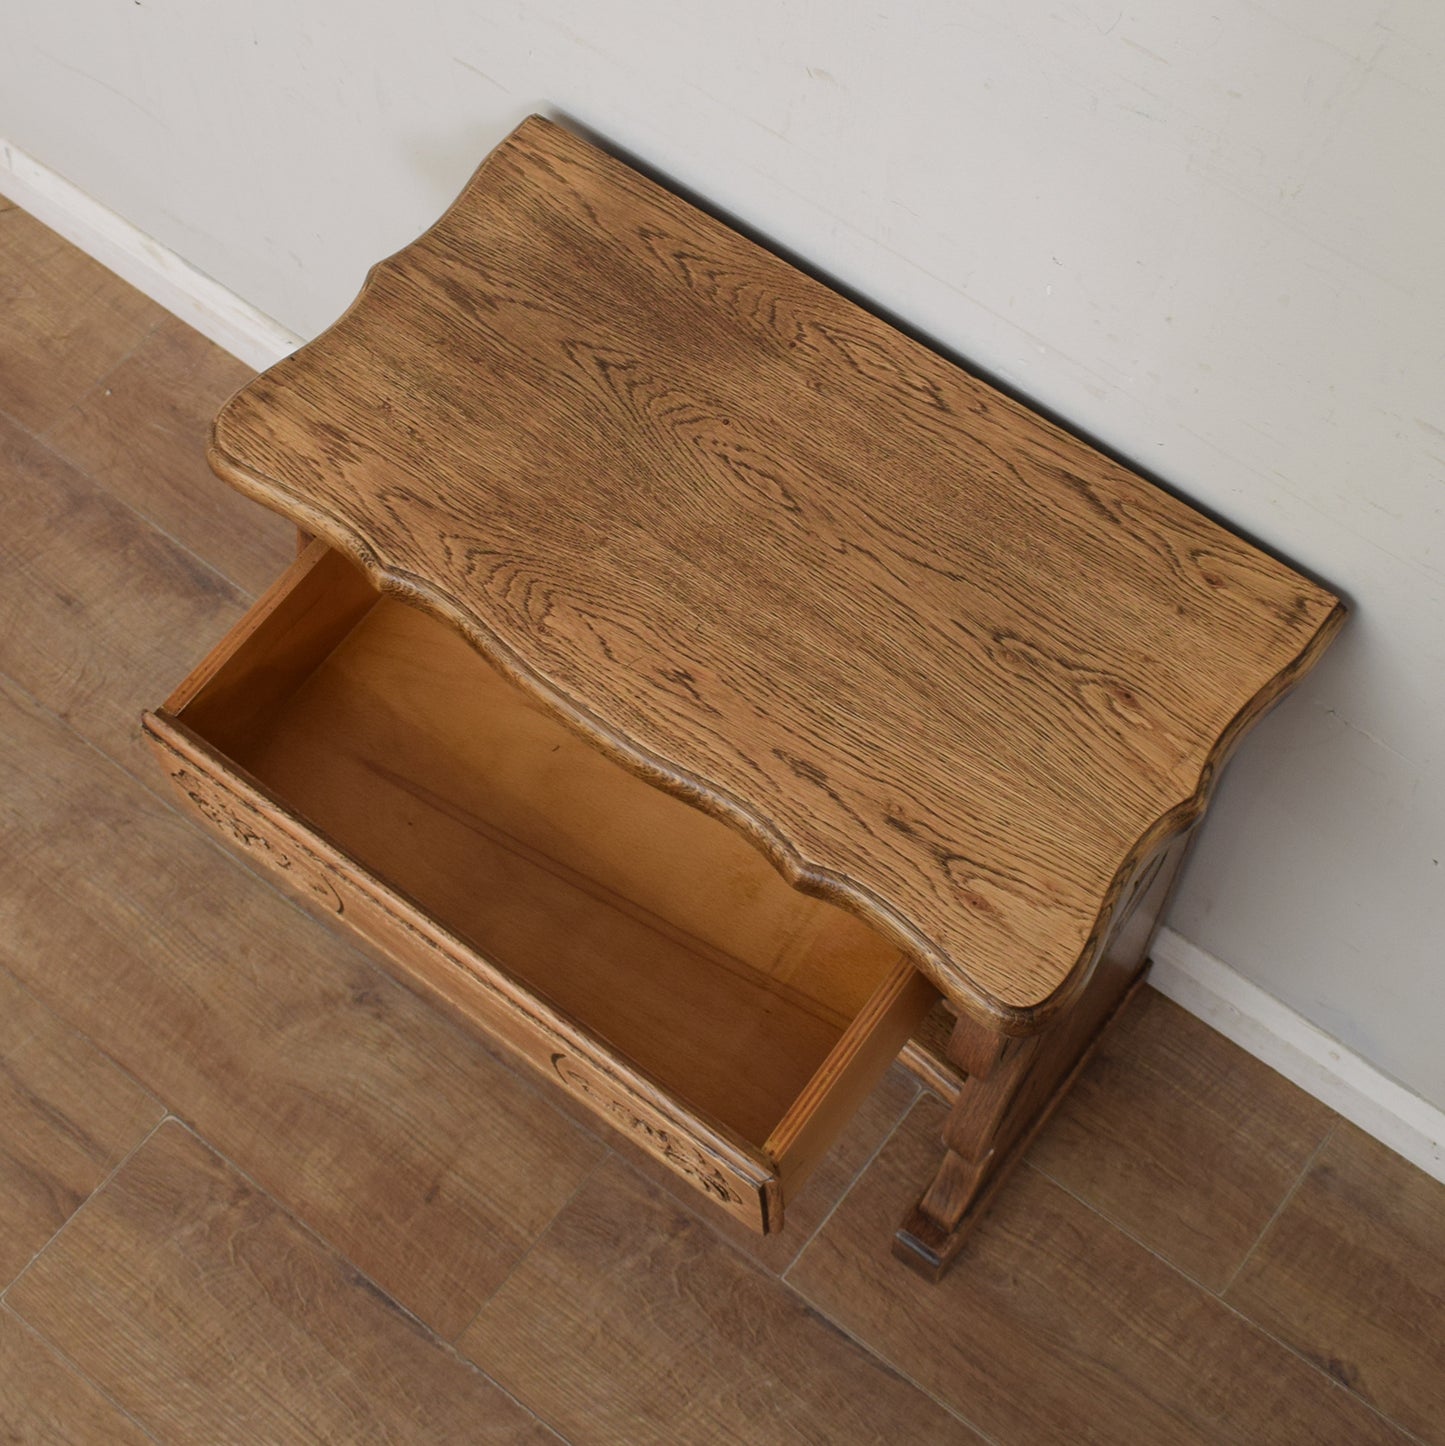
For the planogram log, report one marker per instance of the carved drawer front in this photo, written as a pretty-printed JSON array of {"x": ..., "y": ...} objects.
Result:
[{"x": 641, "y": 954}]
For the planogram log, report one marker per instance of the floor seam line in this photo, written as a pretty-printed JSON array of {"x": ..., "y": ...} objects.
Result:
[
  {"x": 1279, "y": 1210},
  {"x": 1314, "y": 1367},
  {"x": 919, "y": 1092},
  {"x": 432, "y": 1334},
  {"x": 536, "y": 1241},
  {"x": 75, "y": 1366},
  {"x": 85, "y": 1204},
  {"x": 889, "y": 1364},
  {"x": 42, "y": 439}
]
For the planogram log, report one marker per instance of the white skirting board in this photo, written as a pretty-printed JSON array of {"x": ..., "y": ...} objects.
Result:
[
  {"x": 1203, "y": 985},
  {"x": 150, "y": 267},
  {"x": 1315, "y": 1061}
]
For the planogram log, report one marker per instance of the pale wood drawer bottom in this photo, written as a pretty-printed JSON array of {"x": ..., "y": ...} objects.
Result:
[{"x": 639, "y": 952}]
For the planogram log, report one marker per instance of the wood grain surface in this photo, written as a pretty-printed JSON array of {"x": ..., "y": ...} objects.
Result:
[
  {"x": 1057, "y": 1327},
  {"x": 940, "y": 659},
  {"x": 1181, "y": 1138},
  {"x": 100, "y": 613},
  {"x": 43, "y": 1399},
  {"x": 211, "y": 1315},
  {"x": 68, "y": 1116},
  {"x": 65, "y": 320},
  {"x": 629, "y": 1324},
  {"x": 174, "y": 380},
  {"x": 403, "y": 1143},
  {"x": 1352, "y": 1275}
]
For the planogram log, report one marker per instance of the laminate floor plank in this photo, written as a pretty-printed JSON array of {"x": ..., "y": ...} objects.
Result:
[
  {"x": 101, "y": 615},
  {"x": 141, "y": 433},
  {"x": 42, "y": 1398},
  {"x": 68, "y": 1116},
  {"x": 1055, "y": 1327},
  {"x": 1352, "y": 1275},
  {"x": 1182, "y": 1138},
  {"x": 406, "y": 1145},
  {"x": 211, "y": 1315},
  {"x": 630, "y": 1323},
  {"x": 65, "y": 320}
]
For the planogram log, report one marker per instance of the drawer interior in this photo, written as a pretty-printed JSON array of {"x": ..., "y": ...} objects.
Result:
[{"x": 658, "y": 928}]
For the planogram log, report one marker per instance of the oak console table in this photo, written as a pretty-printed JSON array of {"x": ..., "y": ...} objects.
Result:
[{"x": 709, "y": 692}]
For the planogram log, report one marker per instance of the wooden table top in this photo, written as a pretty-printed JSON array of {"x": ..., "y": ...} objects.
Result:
[{"x": 944, "y": 662}]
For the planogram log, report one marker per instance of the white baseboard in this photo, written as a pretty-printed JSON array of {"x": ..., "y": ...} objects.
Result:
[
  {"x": 1203, "y": 985},
  {"x": 150, "y": 267},
  {"x": 1318, "y": 1063}
]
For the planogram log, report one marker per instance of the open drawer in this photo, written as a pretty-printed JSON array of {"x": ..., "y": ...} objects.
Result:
[{"x": 636, "y": 950}]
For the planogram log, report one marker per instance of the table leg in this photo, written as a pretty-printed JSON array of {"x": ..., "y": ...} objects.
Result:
[{"x": 1009, "y": 1087}]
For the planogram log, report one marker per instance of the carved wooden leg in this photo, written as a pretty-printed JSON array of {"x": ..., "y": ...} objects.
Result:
[
  {"x": 993, "y": 1122},
  {"x": 934, "y": 1229},
  {"x": 1010, "y": 1087}
]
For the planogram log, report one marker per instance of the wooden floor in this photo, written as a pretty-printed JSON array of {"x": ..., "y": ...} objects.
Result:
[{"x": 251, "y": 1190}]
